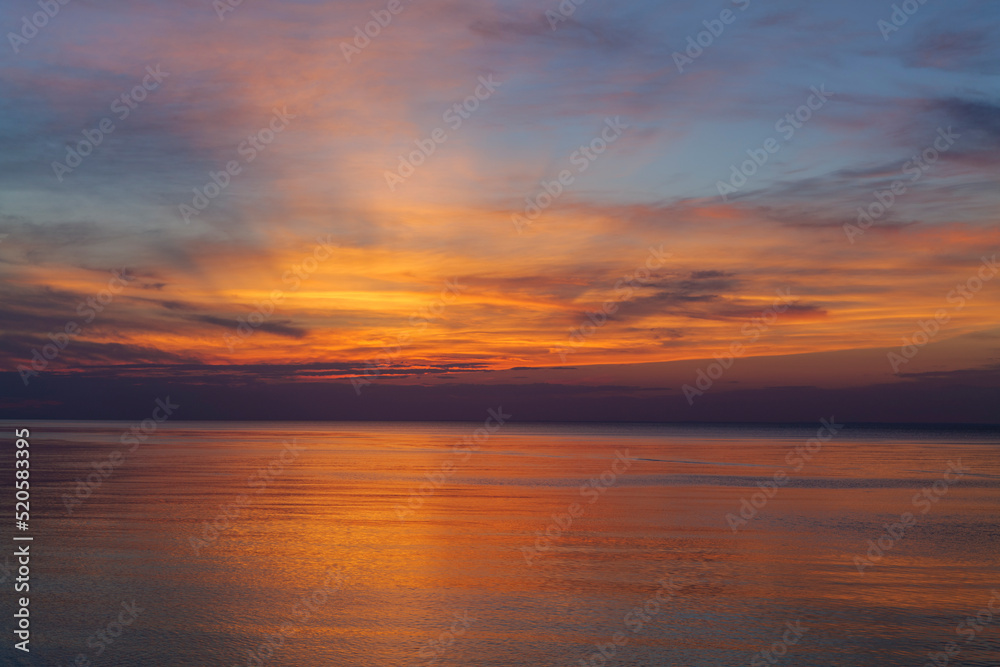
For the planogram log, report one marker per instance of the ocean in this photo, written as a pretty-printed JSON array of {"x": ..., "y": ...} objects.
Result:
[{"x": 499, "y": 544}]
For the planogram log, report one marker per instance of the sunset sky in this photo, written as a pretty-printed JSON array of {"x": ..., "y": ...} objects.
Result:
[{"x": 469, "y": 308}]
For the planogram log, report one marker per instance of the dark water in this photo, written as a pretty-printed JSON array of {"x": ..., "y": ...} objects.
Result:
[{"x": 325, "y": 553}]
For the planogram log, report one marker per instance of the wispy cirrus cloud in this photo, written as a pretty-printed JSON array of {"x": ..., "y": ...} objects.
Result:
[{"x": 325, "y": 176}]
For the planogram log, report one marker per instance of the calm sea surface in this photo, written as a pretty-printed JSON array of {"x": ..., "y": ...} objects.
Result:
[{"x": 406, "y": 544}]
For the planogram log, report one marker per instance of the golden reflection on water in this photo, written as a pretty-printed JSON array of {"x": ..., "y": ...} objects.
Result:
[{"x": 341, "y": 505}]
